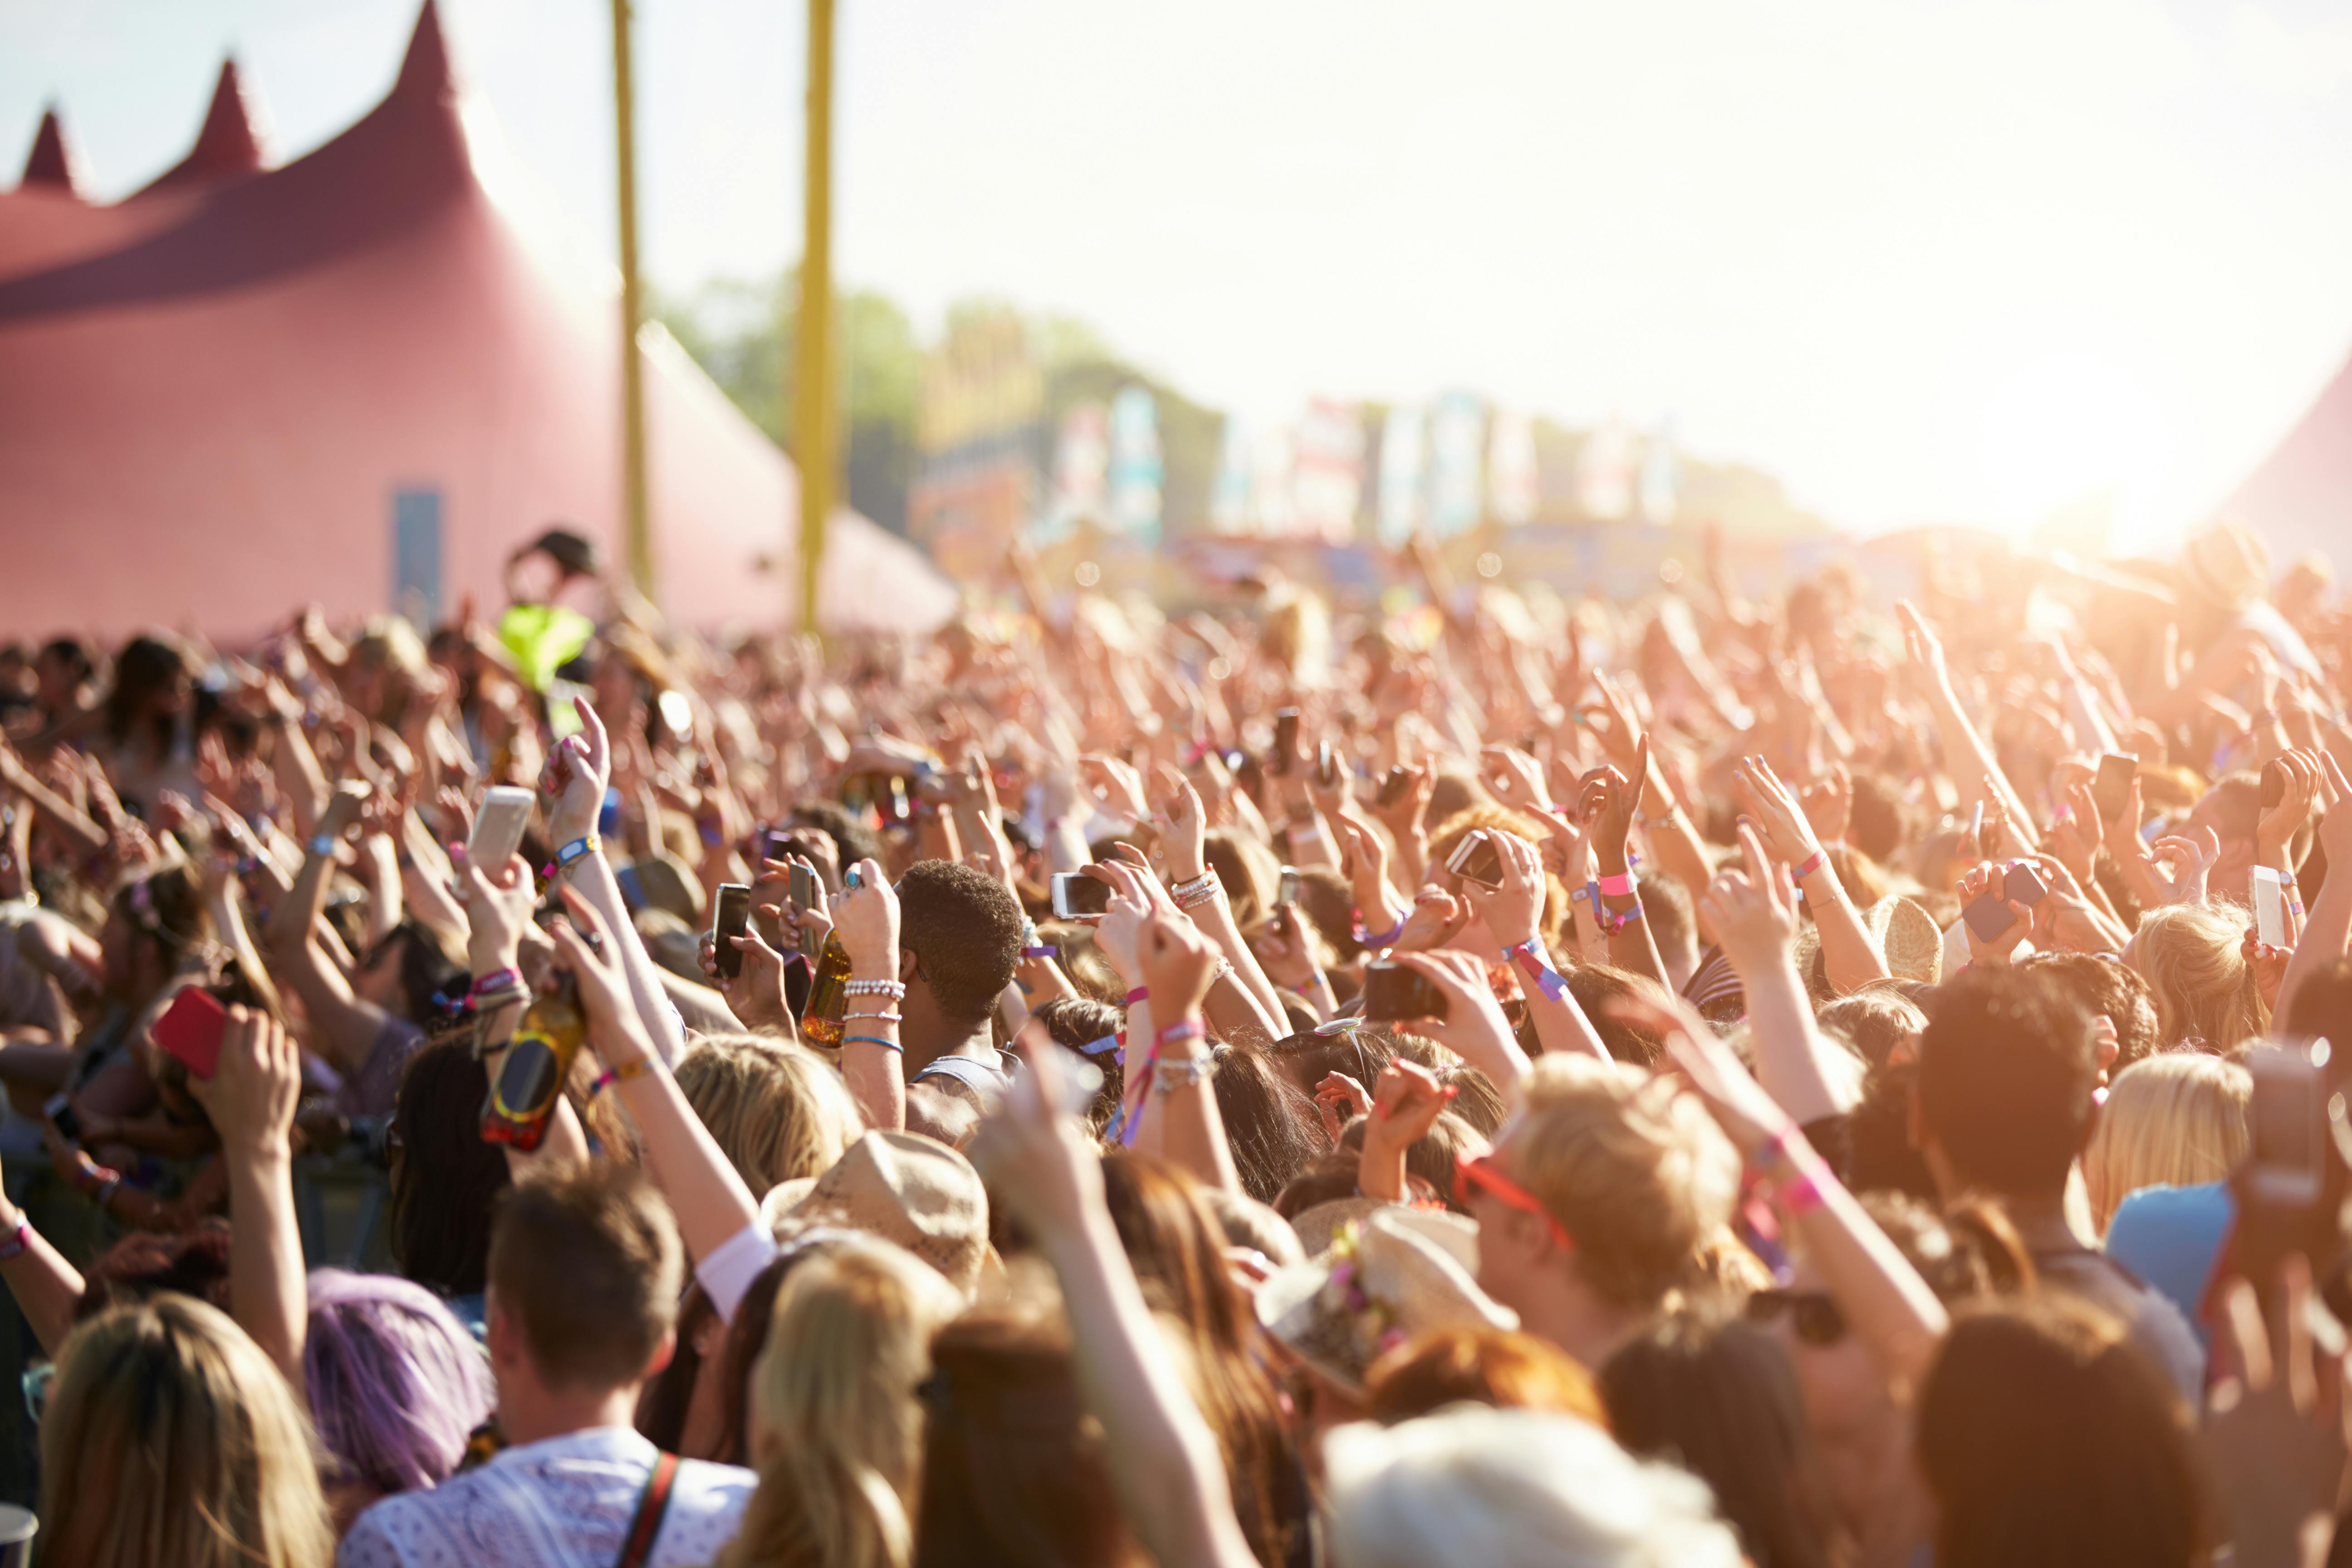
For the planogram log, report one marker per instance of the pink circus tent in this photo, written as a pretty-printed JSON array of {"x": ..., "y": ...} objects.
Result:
[{"x": 356, "y": 380}]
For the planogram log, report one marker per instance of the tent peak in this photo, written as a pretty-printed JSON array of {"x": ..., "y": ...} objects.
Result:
[
  {"x": 424, "y": 71},
  {"x": 229, "y": 144},
  {"x": 52, "y": 162}
]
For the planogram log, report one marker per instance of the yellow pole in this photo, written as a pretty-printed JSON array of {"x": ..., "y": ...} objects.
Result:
[
  {"x": 816, "y": 418},
  {"x": 633, "y": 390}
]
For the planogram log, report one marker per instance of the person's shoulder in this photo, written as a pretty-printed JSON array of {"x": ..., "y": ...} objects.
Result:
[
  {"x": 386, "y": 1530},
  {"x": 2151, "y": 1210}
]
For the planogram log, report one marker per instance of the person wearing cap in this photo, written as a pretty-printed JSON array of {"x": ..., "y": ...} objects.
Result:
[{"x": 539, "y": 631}]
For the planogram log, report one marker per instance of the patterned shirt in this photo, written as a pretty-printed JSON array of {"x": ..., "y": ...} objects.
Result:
[{"x": 564, "y": 1502}]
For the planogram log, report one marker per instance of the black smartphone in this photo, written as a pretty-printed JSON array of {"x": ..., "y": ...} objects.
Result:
[
  {"x": 1393, "y": 787},
  {"x": 1075, "y": 894},
  {"x": 60, "y": 1112},
  {"x": 732, "y": 918},
  {"x": 2024, "y": 885},
  {"x": 1989, "y": 917},
  {"x": 1475, "y": 860},
  {"x": 804, "y": 898},
  {"x": 1393, "y": 994},
  {"x": 775, "y": 844},
  {"x": 2111, "y": 790},
  {"x": 1285, "y": 740}
]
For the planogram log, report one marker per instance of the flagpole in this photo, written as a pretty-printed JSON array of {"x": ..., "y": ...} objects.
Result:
[
  {"x": 816, "y": 418},
  {"x": 635, "y": 511}
]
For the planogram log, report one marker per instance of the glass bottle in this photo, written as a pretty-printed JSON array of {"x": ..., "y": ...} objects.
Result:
[
  {"x": 529, "y": 1075},
  {"x": 821, "y": 1014}
]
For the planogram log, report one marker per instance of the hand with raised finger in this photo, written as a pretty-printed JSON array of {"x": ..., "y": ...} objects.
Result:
[
  {"x": 579, "y": 785},
  {"x": 1119, "y": 929},
  {"x": 1407, "y": 1099},
  {"x": 586, "y": 949}
]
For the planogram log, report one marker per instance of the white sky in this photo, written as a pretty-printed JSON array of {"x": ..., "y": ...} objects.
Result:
[{"x": 1927, "y": 259}]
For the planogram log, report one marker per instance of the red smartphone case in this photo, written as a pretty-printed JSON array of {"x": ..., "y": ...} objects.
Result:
[{"x": 191, "y": 1029}]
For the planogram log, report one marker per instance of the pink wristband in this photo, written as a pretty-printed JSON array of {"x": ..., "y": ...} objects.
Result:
[
  {"x": 1186, "y": 1031},
  {"x": 1619, "y": 886},
  {"x": 1819, "y": 858},
  {"x": 1140, "y": 994}
]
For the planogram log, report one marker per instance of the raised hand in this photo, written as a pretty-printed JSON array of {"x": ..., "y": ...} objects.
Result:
[
  {"x": 1474, "y": 1027},
  {"x": 865, "y": 920},
  {"x": 498, "y": 908},
  {"x": 1183, "y": 823},
  {"x": 1513, "y": 778},
  {"x": 1513, "y": 912},
  {"x": 1987, "y": 877},
  {"x": 1751, "y": 909},
  {"x": 1829, "y": 804},
  {"x": 1340, "y": 1097},
  {"x": 1779, "y": 820},
  {"x": 1178, "y": 964}
]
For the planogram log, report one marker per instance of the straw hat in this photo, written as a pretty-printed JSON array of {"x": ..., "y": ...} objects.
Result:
[
  {"x": 903, "y": 1188},
  {"x": 1905, "y": 934},
  {"x": 1386, "y": 1276},
  {"x": 2227, "y": 565}
]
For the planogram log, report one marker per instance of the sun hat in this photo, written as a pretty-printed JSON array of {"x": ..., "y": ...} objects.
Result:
[
  {"x": 902, "y": 1186},
  {"x": 1385, "y": 1277},
  {"x": 1905, "y": 934}
]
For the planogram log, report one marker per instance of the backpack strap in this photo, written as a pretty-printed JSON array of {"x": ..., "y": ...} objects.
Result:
[{"x": 644, "y": 1528}]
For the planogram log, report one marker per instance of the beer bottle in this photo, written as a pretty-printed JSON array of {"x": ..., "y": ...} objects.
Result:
[
  {"x": 821, "y": 1014},
  {"x": 530, "y": 1076}
]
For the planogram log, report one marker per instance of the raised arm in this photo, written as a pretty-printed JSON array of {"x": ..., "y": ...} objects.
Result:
[
  {"x": 1973, "y": 764},
  {"x": 1513, "y": 915},
  {"x": 251, "y": 1101},
  {"x": 1850, "y": 959},
  {"x": 703, "y": 1187},
  {"x": 578, "y": 771},
  {"x": 1163, "y": 1457},
  {"x": 1755, "y": 917}
]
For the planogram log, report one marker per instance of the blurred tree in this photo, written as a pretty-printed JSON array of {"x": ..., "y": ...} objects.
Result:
[{"x": 742, "y": 333}]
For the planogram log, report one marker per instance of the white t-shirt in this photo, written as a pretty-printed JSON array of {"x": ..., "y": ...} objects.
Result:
[{"x": 564, "y": 1502}]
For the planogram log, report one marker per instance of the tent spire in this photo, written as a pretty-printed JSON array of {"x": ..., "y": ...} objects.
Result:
[
  {"x": 424, "y": 72},
  {"x": 52, "y": 162},
  {"x": 229, "y": 145}
]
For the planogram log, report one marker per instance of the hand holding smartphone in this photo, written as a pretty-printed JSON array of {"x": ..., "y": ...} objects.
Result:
[
  {"x": 1394, "y": 993},
  {"x": 731, "y": 919},
  {"x": 1077, "y": 895},
  {"x": 499, "y": 827}
]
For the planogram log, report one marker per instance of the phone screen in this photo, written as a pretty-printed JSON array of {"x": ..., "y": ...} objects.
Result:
[
  {"x": 1394, "y": 993},
  {"x": 2024, "y": 885},
  {"x": 2270, "y": 906},
  {"x": 1285, "y": 740},
  {"x": 499, "y": 827},
  {"x": 803, "y": 896},
  {"x": 1393, "y": 787},
  {"x": 1989, "y": 917},
  {"x": 1075, "y": 894},
  {"x": 1477, "y": 859},
  {"x": 1286, "y": 892},
  {"x": 734, "y": 916}
]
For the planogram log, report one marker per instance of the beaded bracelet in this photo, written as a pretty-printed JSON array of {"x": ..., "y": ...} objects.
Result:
[
  {"x": 1206, "y": 882},
  {"x": 894, "y": 989},
  {"x": 1172, "y": 1073}
]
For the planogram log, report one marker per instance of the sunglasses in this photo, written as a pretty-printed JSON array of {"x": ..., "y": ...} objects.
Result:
[
  {"x": 1479, "y": 1173},
  {"x": 1813, "y": 1314}
]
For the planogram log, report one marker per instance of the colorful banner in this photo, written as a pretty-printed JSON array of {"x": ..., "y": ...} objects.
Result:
[
  {"x": 1512, "y": 481},
  {"x": 1135, "y": 464},
  {"x": 1081, "y": 474},
  {"x": 1402, "y": 501},
  {"x": 1456, "y": 445},
  {"x": 1327, "y": 475},
  {"x": 1604, "y": 473}
]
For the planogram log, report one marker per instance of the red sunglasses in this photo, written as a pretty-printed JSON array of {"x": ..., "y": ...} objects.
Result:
[{"x": 1479, "y": 1172}]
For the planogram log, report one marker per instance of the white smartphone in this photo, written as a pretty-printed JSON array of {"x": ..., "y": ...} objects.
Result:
[
  {"x": 2270, "y": 908},
  {"x": 498, "y": 827}
]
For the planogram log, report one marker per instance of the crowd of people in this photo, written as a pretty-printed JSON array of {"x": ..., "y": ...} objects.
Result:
[{"x": 1799, "y": 1078}]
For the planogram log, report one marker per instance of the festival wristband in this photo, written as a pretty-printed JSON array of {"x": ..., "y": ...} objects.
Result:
[
  {"x": 583, "y": 844},
  {"x": 15, "y": 1246},
  {"x": 1813, "y": 863},
  {"x": 1531, "y": 958},
  {"x": 1102, "y": 1048},
  {"x": 1191, "y": 1029},
  {"x": 1619, "y": 886},
  {"x": 1140, "y": 994}
]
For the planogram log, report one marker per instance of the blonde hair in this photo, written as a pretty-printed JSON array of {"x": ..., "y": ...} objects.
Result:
[
  {"x": 170, "y": 1438},
  {"x": 1634, "y": 1169},
  {"x": 2174, "y": 1120},
  {"x": 836, "y": 1430},
  {"x": 2205, "y": 993},
  {"x": 777, "y": 1110}
]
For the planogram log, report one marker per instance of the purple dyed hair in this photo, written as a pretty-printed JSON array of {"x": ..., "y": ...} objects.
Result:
[{"x": 396, "y": 1382}]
